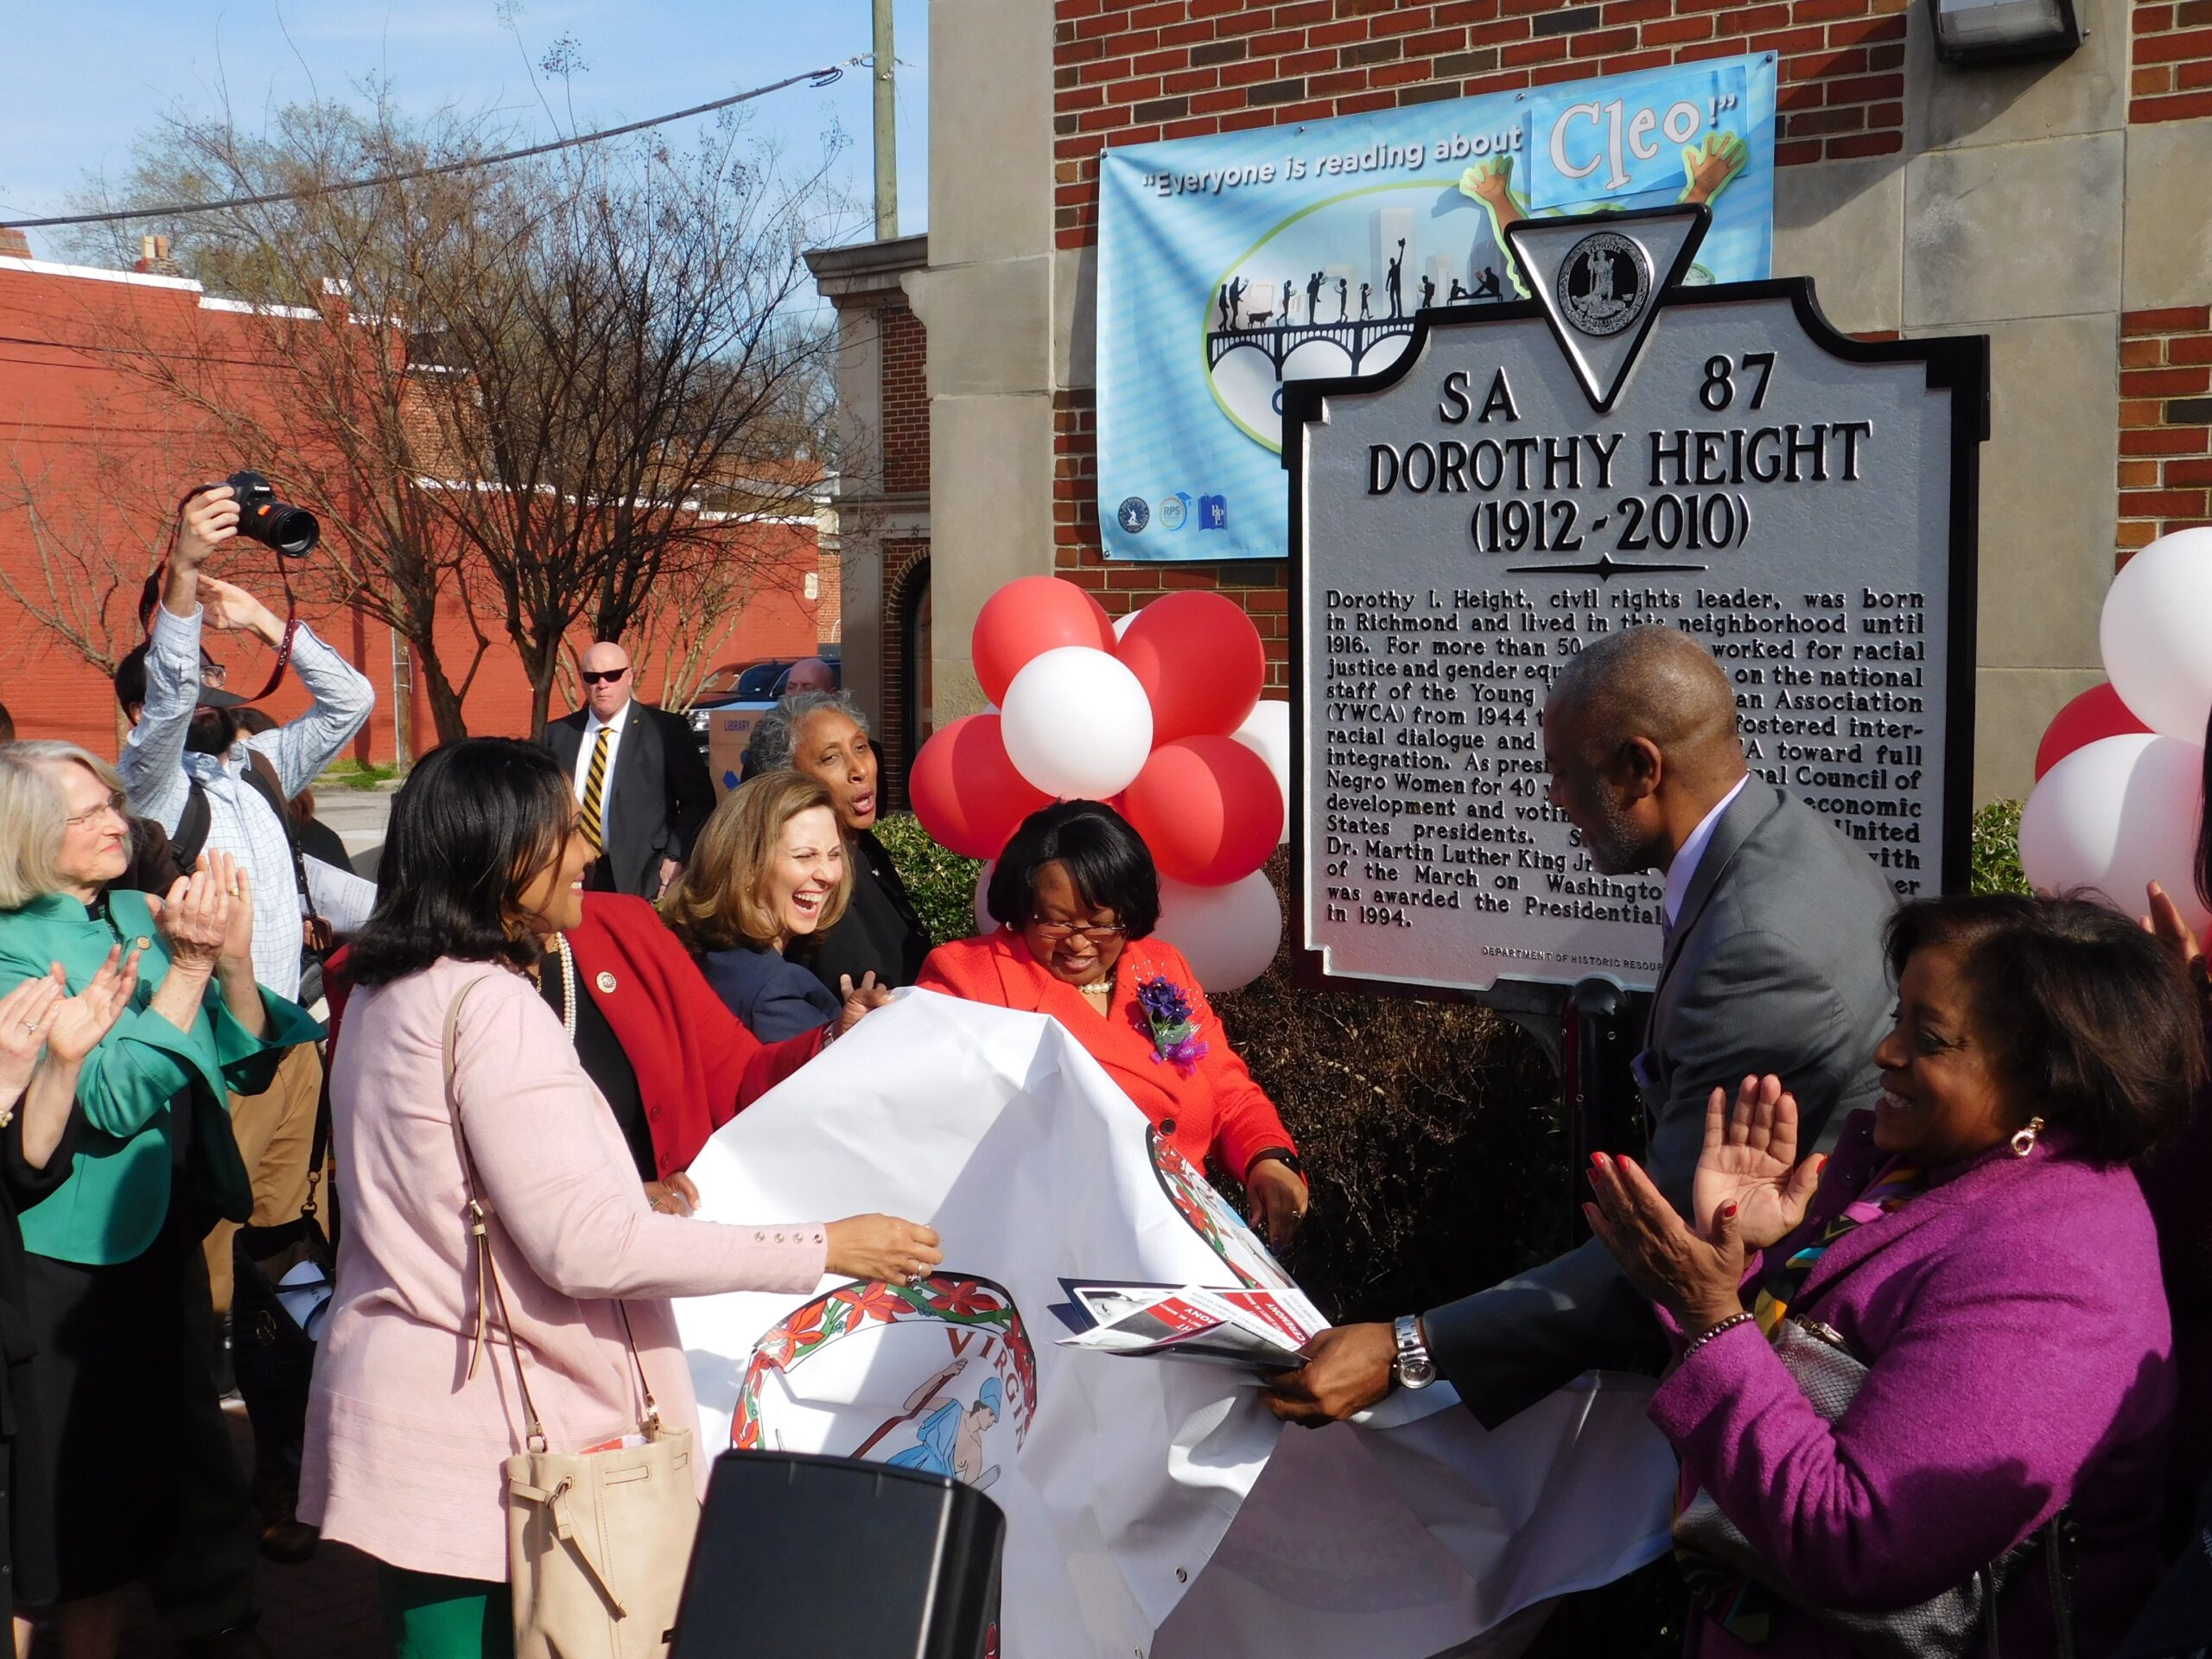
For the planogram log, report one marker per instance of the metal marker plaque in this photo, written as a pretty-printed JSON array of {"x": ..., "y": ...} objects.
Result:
[{"x": 1623, "y": 451}]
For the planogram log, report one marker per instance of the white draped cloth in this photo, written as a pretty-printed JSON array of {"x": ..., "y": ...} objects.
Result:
[{"x": 1153, "y": 1506}]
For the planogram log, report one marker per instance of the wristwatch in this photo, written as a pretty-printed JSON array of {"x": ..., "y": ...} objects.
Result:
[{"x": 1415, "y": 1369}]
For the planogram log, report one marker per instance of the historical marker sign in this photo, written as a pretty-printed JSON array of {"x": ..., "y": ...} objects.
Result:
[{"x": 1624, "y": 450}]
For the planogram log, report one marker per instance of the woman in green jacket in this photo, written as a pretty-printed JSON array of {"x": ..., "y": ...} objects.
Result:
[{"x": 112, "y": 1249}]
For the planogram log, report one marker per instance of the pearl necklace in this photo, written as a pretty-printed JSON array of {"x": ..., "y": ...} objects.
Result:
[{"x": 568, "y": 987}]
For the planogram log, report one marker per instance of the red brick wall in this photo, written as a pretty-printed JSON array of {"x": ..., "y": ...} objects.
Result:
[
  {"x": 1261, "y": 587},
  {"x": 1133, "y": 73},
  {"x": 905, "y": 564},
  {"x": 2165, "y": 423},
  {"x": 905, "y": 395},
  {"x": 2171, "y": 79}
]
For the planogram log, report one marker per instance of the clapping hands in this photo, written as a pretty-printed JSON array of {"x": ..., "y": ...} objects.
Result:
[
  {"x": 1749, "y": 1191},
  {"x": 1751, "y": 1161}
]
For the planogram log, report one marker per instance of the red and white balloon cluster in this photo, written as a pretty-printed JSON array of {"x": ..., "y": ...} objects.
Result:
[
  {"x": 2119, "y": 773},
  {"x": 1164, "y": 721}
]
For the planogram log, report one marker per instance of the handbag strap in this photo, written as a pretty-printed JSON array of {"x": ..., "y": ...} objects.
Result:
[{"x": 487, "y": 1272}]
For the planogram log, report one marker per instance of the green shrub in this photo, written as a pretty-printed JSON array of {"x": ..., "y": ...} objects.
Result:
[
  {"x": 942, "y": 884},
  {"x": 1997, "y": 848}
]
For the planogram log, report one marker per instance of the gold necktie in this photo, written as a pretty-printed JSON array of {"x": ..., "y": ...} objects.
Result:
[{"x": 595, "y": 790}]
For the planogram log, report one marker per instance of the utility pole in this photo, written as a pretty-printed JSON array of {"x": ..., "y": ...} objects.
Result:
[{"x": 887, "y": 128}]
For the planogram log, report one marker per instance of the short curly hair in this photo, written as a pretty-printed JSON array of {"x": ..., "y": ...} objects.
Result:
[
  {"x": 2086, "y": 1022},
  {"x": 775, "y": 734}
]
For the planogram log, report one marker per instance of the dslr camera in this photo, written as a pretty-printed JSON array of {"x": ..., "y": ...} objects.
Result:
[{"x": 292, "y": 532}]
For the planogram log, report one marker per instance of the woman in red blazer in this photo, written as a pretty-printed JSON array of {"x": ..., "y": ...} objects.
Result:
[{"x": 1076, "y": 897}]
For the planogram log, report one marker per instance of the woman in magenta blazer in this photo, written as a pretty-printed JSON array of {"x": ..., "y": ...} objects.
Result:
[
  {"x": 1979, "y": 1242},
  {"x": 1076, "y": 896},
  {"x": 404, "y": 1439}
]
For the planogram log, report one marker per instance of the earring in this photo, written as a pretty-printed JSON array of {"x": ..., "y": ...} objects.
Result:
[{"x": 2023, "y": 1140}]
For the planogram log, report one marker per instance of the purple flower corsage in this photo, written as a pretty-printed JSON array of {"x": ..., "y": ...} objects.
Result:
[{"x": 1174, "y": 1034}]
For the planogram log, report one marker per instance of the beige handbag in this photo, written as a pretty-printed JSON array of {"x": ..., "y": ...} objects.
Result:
[{"x": 597, "y": 1542}]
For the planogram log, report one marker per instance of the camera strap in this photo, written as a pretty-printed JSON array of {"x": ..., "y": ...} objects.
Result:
[{"x": 150, "y": 595}]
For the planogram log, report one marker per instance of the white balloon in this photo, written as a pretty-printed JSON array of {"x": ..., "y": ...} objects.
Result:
[
  {"x": 1266, "y": 732},
  {"x": 2115, "y": 815},
  {"x": 1228, "y": 935},
  {"x": 1122, "y": 622},
  {"x": 1077, "y": 723},
  {"x": 2156, "y": 634},
  {"x": 983, "y": 922}
]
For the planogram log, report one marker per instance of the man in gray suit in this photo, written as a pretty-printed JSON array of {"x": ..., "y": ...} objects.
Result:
[{"x": 1772, "y": 963}]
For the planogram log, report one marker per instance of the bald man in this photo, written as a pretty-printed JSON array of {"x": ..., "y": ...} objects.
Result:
[
  {"x": 808, "y": 673},
  {"x": 1771, "y": 962},
  {"x": 638, "y": 777}
]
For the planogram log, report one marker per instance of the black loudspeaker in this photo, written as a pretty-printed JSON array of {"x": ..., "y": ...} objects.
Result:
[{"x": 804, "y": 1557}]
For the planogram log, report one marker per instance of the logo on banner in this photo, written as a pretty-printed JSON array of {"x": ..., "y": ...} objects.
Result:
[
  {"x": 947, "y": 1364},
  {"x": 1174, "y": 511},
  {"x": 1604, "y": 283},
  {"x": 1209, "y": 1215},
  {"x": 1213, "y": 512},
  {"x": 1133, "y": 515}
]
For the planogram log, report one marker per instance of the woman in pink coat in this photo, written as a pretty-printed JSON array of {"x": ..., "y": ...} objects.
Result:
[
  {"x": 1979, "y": 1243},
  {"x": 404, "y": 1442}
]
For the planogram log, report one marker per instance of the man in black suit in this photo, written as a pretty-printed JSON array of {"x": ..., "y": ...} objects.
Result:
[
  {"x": 638, "y": 777},
  {"x": 1771, "y": 962}
]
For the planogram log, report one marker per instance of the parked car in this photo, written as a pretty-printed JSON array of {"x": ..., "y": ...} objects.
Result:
[{"x": 732, "y": 698}]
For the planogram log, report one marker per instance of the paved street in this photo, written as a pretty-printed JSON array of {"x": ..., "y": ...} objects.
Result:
[{"x": 358, "y": 815}]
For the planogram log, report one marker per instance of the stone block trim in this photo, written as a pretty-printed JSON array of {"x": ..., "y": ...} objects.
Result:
[
  {"x": 2165, "y": 423},
  {"x": 1262, "y": 587},
  {"x": 906, "y": 405},
  {"x": 1134, "y": 73},
  {"x": 2170, "y": 76}
]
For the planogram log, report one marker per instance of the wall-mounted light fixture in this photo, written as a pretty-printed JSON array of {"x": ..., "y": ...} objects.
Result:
[{"x": 2003, "y": 31}]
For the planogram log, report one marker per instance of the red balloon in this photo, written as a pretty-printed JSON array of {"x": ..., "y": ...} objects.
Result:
[
  {"x": 1200, "y": 661},
  {"x": 1028, "y": 617},
  {"x": 966, "y": 792},
  {"x": 2096, "y": 714},
  {"x": 1209, "y": 808}
]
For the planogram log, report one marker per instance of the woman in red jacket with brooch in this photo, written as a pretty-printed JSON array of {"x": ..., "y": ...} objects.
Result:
[{"x": 1077, "y": 898}]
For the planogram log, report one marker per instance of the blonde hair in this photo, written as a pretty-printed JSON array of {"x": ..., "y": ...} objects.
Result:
[
  {"x": 721, "y": 898},
  {"x": 33, "y": 816}
]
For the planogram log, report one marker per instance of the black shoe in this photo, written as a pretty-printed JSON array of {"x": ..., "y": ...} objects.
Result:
[{"x": 285, "y": 1537}]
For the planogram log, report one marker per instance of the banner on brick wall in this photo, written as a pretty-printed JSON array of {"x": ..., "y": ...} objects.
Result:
[{"x": 1231, "y": 263}]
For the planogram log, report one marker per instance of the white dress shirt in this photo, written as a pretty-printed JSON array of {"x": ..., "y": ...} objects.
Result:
[
  {"x": 1679, "y": 872},
  {"x": 614, "y": 728}
]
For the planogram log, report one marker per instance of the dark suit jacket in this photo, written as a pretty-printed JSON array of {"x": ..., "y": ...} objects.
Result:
[
  {"x": 659, "y": 795},
  {"x": 1776, "y": 964},
  {"x": 771, "y": 998}
]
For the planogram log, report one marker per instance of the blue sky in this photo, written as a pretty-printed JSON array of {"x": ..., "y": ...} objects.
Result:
[{"x": 83, "y": 79}]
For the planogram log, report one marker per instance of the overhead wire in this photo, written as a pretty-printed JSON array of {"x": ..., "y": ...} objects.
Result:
[{"x": 828, "y": 74}]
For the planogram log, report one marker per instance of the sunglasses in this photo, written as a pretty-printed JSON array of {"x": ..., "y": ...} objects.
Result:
[{"x": 596, "y": 676}]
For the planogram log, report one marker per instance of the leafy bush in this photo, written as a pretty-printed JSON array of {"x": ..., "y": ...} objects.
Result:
[
  {"x": 942, "y": 884},
  {"x": 1997, "y": 848}
]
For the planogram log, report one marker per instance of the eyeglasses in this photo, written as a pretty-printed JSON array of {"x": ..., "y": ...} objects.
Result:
[
  {"x": 1054, "y": 932},
  {"x": 115, "y": 804},
  {"x": 594, "y": 676}
]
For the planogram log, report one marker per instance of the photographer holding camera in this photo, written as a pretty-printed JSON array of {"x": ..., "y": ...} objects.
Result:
[{"x": 189, "y": 768}]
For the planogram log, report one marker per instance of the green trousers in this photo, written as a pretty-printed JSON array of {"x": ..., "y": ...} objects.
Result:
[{"x": 429, "y": 1617}]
